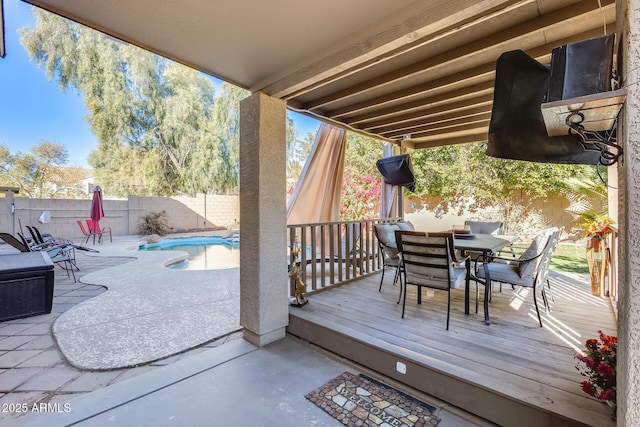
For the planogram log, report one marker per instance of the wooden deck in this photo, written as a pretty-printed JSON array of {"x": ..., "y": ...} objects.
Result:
[{"x": 511, "y": 373}]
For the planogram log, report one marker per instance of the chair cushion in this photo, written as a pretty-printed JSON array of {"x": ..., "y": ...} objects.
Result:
[
  {"x": 507, "y": 273},
  {"x": 387, "y": 234},
  {"x": 458, "y": 276},
  {"x": 536, "y": 247},
  {"x": 405, "y": 226},
  {"x": 433, "y": 277}
]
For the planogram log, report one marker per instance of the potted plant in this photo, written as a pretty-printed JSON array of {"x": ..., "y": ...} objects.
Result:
[
  {"x": 600, "y": 369},
  {"x": 597, "y": 226}
]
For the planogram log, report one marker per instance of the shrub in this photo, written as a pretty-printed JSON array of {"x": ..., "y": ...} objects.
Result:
[{"x": 153, "y": 223}]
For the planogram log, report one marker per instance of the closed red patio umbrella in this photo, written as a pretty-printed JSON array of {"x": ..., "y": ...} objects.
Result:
[{"x": 97, "y": 211}]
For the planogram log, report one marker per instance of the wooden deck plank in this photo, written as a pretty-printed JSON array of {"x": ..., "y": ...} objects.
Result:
[
  {"x": 515, "y": 353},
  {"x": 513, "y": 357}
]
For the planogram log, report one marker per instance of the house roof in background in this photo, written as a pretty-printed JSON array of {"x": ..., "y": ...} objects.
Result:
[{"x": 416, "y": 72}]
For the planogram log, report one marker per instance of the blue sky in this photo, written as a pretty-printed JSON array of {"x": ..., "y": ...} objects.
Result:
[{"x": 33, "y": 109}]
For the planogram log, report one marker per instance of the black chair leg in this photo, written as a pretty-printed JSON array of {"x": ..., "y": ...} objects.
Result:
[
  {"x": 448, "y": 308},
  {"x": 380, "y": 288},
  {"x": 545, "y": 300},
  {"x": 487, "y": 294},
  {"x": 535, "y": 302},
  {"x": 404, "y": 300},
  {"x": 477, "y": 296}
]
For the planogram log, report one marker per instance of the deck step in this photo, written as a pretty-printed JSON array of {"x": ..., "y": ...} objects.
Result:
[{"x": 490, "y": 394}]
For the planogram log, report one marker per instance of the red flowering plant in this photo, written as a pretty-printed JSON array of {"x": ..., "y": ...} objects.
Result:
[{"x": 600, "y": 364}]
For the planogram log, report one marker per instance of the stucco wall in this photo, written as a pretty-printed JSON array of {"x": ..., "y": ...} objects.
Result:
[
  {"x": 552, "y": 211},
  {"x": 628, "y": 375},
  {"x": 121, "y": 215}
]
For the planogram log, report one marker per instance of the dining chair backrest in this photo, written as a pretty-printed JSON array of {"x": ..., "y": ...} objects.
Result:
[
  {"x": 485, "y": 227},
  {"x": 545, "y": 261},
  {"x": 449, "y": 236},
  {"x": 426, "y": 259},
  {"x": 532, "y": 256}
]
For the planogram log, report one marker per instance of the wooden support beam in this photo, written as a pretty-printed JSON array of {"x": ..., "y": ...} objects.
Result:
[{"x": 499, "y": 42}]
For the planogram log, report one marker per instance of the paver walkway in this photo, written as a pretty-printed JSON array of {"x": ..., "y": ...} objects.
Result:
[{"x": 32, "y": 369}]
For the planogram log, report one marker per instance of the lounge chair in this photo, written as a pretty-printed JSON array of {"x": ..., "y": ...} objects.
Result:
[
  {"x": 51, "y": 240},
  {"x": 41, "y": 239},
  {"x": 61, "y": 255}
]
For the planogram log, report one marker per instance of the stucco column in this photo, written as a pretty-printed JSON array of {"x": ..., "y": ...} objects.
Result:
[
  {"x": 264, "y": 305},
  {"x": 628, "y": 393}
]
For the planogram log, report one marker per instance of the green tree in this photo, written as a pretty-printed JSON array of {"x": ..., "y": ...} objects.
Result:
[
  {"x": 361, "y": 185},
  {"x": 37, "y": 173},
  {"x": 160, "y": 128},
  {"x": 464, "y": 177},
  {"x": 297, "y": 151}
]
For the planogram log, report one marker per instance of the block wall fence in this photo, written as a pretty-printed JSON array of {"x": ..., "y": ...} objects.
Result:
[
  {"x": 184, "y": 213},
  {"x": 197, "y": 213}
]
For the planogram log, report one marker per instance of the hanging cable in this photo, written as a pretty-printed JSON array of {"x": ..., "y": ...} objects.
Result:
[{"x": 604, "y": 18}]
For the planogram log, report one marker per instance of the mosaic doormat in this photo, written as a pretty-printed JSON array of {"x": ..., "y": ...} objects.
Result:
[{"x": 358, "y": 400}]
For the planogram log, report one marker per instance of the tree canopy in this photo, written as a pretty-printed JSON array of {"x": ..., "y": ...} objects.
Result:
[
  {"x": 160, "y": 128},
  {"x": 38, "y": 173},
  {"x": 463, "y": 177}
]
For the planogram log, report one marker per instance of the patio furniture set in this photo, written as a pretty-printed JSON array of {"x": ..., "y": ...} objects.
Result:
[
  {"x": 26, "y": 279},
  {"x": 447, "y": 260}
]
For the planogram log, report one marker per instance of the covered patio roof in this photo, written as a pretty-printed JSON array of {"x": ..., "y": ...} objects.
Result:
[{"x": 415, "y": 72}]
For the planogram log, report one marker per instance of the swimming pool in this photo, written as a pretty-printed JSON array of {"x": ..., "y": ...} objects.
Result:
[{"x": 204, "y": 253}]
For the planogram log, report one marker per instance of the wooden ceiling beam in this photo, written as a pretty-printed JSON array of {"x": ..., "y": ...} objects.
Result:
[
  {"x": 463, "y": 128},
  {"x": 441, "y": 125},
  {"x": 438, "y": 141},
  {"x": 484, "y": 72},
  {"x": 435, "y": 118},
  {"x": 509, "y": 36},
  {"x": 541, "y": 53},
  {"x": 440, "y": 105}
]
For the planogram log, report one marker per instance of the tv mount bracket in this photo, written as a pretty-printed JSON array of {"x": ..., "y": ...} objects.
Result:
[
  {"x": 604, "y": 142},
  {"x": 591, "y": 119}
]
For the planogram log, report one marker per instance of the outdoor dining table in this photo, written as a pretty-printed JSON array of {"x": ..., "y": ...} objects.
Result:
[{"x": 485, "y": 244}]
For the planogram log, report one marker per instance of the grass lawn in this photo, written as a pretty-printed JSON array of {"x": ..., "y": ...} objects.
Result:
[{"x": 570, "y": 258}]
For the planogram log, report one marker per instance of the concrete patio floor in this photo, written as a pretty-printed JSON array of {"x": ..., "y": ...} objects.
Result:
[
  {"x": 32, "y": 367},
  {"x": 225, "y": 378}
]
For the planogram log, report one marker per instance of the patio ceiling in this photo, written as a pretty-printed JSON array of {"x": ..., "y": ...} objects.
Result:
[{"x": 416, "y": 72}]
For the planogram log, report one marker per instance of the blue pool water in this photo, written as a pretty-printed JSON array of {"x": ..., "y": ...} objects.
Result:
[{"x": 204, "y": 253}]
